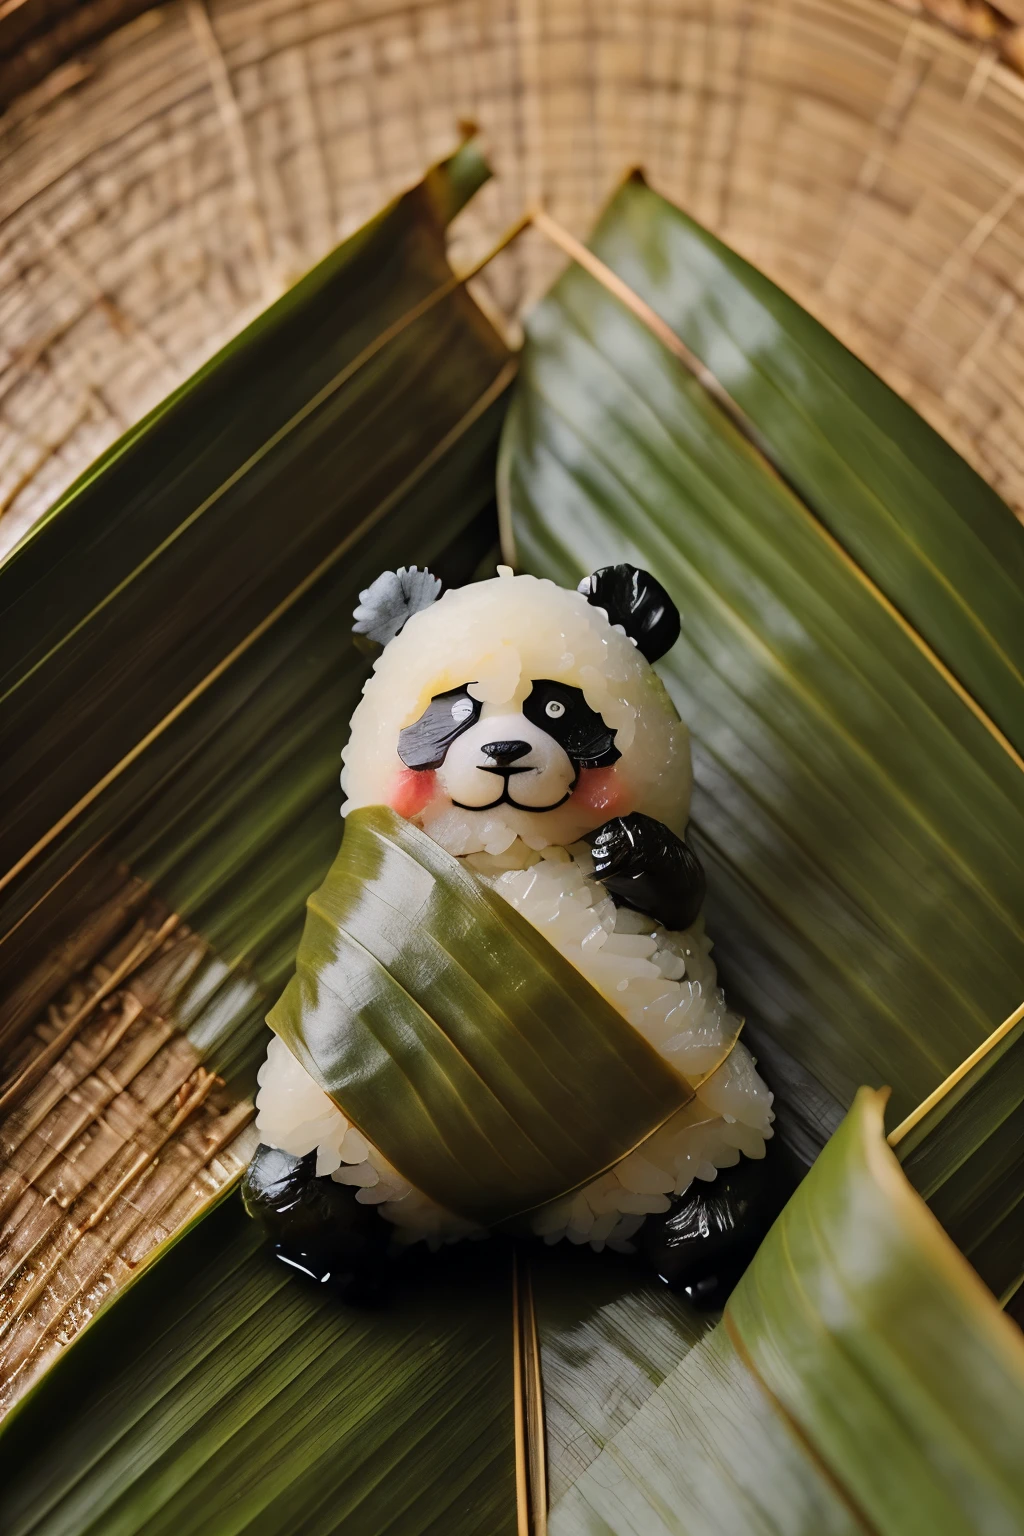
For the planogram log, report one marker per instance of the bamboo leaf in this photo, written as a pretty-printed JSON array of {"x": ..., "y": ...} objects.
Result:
[
  {"x": 271, "y": 464},
  {"x": 609, "y": 1338},
  {"x": 924, "y": 526},
  {"x": 824, "y": 1403},
  {"x": 856, "y": 817},
  {"x": 492, "y": 1098},
  {"x": 232, "y": 809},
  {"x": 862, "y": 1380},
  {"x": 219, "y": 1396},
  {"x": 965, "y": 1154}
]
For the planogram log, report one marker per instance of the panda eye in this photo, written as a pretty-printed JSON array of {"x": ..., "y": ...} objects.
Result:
[
  {"x": 562, "y": 711},
  {"x": 425, "y": 743}
]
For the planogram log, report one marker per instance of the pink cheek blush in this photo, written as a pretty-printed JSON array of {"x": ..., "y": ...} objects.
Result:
[
  {"x": 411, "y": 790},
  {"x": 601, "y": 790}
]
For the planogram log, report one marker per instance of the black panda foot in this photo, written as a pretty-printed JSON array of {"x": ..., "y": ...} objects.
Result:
[
  {"x": 703, "y": 1244},
  {"x": 317, "y": 1228},
  {"x": 357, "y": 1283}
]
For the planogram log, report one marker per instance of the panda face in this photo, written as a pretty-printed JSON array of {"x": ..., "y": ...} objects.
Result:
[{"x": 486, "y": 755}]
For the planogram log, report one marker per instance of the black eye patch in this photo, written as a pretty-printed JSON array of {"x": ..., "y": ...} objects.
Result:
[
  {"x": 425, "y": 743},
  {"x": 564, "y": 713}
]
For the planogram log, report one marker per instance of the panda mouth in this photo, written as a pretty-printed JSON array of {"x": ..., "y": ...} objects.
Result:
[{"x": 506, "y": 799}]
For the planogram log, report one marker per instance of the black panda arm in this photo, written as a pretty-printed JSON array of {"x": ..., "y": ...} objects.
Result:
[{"x": 646, "y": 867}]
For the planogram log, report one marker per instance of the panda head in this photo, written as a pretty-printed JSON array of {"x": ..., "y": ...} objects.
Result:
[{"x": 513, "y": 708}]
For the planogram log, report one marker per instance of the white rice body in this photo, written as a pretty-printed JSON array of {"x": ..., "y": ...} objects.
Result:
[{"x": 663, "y": 983}]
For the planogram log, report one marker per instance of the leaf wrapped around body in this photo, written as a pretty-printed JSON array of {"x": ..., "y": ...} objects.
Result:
[{"x": 479, "y": 1061}]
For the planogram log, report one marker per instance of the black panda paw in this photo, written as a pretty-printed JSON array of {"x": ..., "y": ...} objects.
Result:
[
  {"x": 645, "y": 866},
  {"x": 317, "y": 1228},
  {"x": 353, "y": 1281},
  {"x": 702, "y": 1245}
]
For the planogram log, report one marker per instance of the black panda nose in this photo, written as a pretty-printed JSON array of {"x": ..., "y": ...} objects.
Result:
[{"x": 505, "y": 752}]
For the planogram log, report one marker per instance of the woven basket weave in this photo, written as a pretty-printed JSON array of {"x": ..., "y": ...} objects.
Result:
[{"x": 160, "y": 188}]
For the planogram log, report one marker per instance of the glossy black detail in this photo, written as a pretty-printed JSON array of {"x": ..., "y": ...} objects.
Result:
[
  {"x": 317, "y": 1227},
  {"x": 634, "y": 599},
  {"x": 503, "y": 753},
  {"x": 565, "y": 715},
  {"x": 704, "y": 1243},
  {"x": 425, "y": 743},
  {"x": 645, "y": 866}
]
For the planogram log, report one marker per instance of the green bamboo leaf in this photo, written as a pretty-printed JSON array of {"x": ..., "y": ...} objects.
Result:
[
  {"x": 862, "y": 1380},
  {"x": 492, "y": 1097},
  {"x": 232, "y": 810},
  {"x": 791, "y": 680},
  {"x": 857, "y": 819},
  {"x": 218, "y": 1396},
  {"x": 847, "y": 1331},
  {"x": 274, "y": 461},
  {"x": 964, "y": 1156},
  {"x": 609, "y": 1339},
  {"x": 923, "y": 525}
]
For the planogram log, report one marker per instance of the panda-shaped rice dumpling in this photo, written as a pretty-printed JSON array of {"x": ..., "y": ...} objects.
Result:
[{"x": 523, "y": 729}]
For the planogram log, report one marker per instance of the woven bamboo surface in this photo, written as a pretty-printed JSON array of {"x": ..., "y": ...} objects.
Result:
[
  {"x": 112, "y": 1132},
  {"x": 160, "y": 188}
]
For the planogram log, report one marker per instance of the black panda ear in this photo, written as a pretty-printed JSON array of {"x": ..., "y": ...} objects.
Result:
[
  {"x": 634, "y": 599},
  {"x": 390, "y": 601}
]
